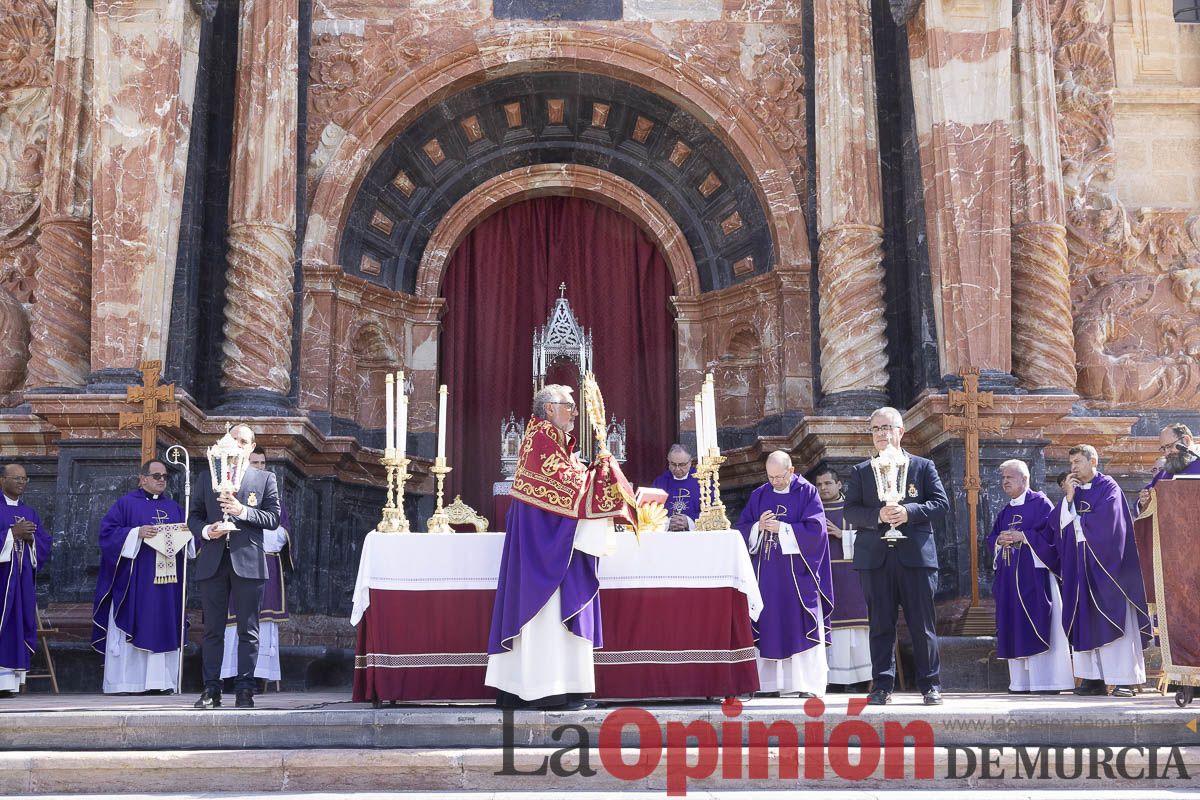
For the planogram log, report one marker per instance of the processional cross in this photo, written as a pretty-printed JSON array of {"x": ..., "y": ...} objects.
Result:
[
  {"x": 150, "y": 394},
  {"x": 970, "y": 399}
]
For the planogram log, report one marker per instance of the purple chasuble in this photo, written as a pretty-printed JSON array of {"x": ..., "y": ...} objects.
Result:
[
  {"x": 148, "y": 612},
  {"x": 797, "y": 590},
  {"x": 1021, "y": 590},
  {"x": 1103, "y": 574},
  {"x": 849, "y": 607},
  {"x": 18, "y": 614},
  {"x": 683, "y": 496},
  {"x": 538, "y": 557}
]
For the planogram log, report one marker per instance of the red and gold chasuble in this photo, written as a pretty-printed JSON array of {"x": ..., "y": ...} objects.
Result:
[{"x": 550, "y": 477}]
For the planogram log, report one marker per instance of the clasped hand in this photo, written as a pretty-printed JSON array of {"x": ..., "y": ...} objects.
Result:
[
  {"x": 893, "y": 515},
  {"x": 768, "y": 523},
  {"x": 23, "y": 529}
]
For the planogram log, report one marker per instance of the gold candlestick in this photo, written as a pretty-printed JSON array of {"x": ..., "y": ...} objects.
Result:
[
  {"x": 394, "y": 520},
  {"x": 439, "y": 522},
  {"x": 713, "y": 518}
]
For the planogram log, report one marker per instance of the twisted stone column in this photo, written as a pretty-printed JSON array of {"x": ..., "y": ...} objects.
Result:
[
  {"x": 262, "y": 202},
  {"x": 849, "y": 210},
  {"x": 60, "y": 318},
  {"x": 1043, "y": 342}
]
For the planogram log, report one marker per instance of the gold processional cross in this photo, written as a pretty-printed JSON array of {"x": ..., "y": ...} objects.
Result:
[
  {"x": 977, "y": 622},
  {"x": 150, "y": 394}
]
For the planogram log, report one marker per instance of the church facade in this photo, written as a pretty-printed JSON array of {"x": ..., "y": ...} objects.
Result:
[{"x": 855, "y": 201}]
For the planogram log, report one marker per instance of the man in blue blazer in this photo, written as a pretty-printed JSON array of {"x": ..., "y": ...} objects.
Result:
[
  {"x": 901, "y": 576},
  {"x": 231, "y": 563}
]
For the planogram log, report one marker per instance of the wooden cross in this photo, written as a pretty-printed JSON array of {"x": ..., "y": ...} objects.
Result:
[
  {"x": 150, "y": 394},
  {"x": 970, "y": 399}
]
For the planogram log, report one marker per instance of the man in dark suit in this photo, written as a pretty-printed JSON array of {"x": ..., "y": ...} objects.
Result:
[
  {"x": 901, "y": 576},
  {"x": 231, "y": 564}
]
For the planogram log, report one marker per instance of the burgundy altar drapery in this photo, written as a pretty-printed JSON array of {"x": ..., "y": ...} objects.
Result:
[{"x": 502, "y": 282}]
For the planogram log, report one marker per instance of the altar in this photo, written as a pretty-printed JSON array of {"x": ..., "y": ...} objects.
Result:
[{"x": 676, "y": 610}]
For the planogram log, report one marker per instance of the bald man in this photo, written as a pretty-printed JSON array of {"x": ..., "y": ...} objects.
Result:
[{"x": 784, "y": 526}]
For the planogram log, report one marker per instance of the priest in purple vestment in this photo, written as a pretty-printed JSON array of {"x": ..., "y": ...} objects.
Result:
[
  {"x": 849, "y": 641},
  {"x": 1178, "y": 448},
  {"x": 26, "y": 546},
  {"x": 137, "y": 609},
  {"x": 546, "y": 618},
  {"x": 784, "y": 526},
  {"x": 1029, "y": 631},
  {"x": 682, "y": 488},
  {"x": 1104, "y": 599}
]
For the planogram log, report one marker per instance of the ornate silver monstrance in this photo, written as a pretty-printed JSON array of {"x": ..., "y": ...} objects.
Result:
[{"x": 891, "y": 473}]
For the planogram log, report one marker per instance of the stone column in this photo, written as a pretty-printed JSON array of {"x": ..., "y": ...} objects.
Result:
[
  {"x": 61, "y": 316},
  {"x": 144, "y": 84},
  {"x": 961, "y": 67},
  {"x": 1043, "y": 343},
  {"x": 262, "y": 207},
  {"x": 849, "y": 206}
]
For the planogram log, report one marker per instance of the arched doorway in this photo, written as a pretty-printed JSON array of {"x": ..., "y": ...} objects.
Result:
[{"x": 501, "y": 282}]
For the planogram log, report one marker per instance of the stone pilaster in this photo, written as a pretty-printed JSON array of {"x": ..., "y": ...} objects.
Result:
[
  {"x": 60, "y": 319},
  {"x": 1043, "y": 342},
  {"x": 849, "y": 209},
  {"x": 262, "y": 206},
  {"x": 960, "y": 57},
  {"x": 144, "y": 84}
]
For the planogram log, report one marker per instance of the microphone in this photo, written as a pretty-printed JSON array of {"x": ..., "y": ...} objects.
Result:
[{"x": 1183, "y": 448}]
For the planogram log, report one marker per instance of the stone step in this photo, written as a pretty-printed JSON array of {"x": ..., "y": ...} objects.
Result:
[
  {"x": 533, "y": 769},
  {"x": 298, "y": 721}
]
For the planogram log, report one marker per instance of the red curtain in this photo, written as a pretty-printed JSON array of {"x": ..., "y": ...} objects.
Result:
[{"x": 502, "y": 282}]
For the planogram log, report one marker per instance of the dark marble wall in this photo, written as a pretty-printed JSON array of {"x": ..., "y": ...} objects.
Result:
[{"x": 908, "y": 289}]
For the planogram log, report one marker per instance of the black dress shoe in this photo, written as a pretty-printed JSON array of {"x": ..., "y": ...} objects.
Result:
[
  {"x": 1091, "y": 687},
  {"x": 210, "y": 699},
  {"x": 933, "y": 696},
  {"x": 245, "y": 699},
  {"x": 879, "y": 697}
]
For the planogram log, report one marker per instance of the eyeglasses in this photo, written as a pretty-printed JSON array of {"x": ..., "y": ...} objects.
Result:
[
  {"x": 22, "y": 479},
  {"x": 566, "y": 403},
  {"x": 883, "y": 428},
  {"x": 158, "y": 476},
  {"x": 1168, "y": 448},
  {"x": 679, "y": 464}
]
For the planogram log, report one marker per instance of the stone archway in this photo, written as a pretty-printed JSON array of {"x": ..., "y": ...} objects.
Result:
[{"x": 547, "y": 49}]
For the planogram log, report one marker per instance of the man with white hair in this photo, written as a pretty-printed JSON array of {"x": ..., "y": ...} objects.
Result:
[
  {"x": 1029, "y": 632},
  {"x": 546, "y": 618},
  {"x": 1104, "y": 598},
  {"x": 901, "y": 575},
  {"x": 682, "y": 488},
  {"x": 784, "y": 526}
]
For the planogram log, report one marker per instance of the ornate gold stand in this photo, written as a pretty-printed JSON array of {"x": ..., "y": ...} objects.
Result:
[
  {"x": 393, "y": 520},
  {"x": 712, "y": 510},
  {"x": 439, "y": 522}
]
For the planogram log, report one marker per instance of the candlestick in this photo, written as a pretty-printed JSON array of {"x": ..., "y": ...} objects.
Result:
[
  {"x": 389, "y": 432},
  {"x": 441, "y": 447},
  {"x": 439, "y": 522}
]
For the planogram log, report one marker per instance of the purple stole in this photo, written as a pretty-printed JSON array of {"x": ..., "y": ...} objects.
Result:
[
  {"x": 1021, "y": 590},
  {"x": 797, "y": 590},
  {"x": 1102, "y": 575},
  {"x": 683, "y": 496},
  {"x": 18, "y": 604},
  {"x": 148, "y": 612},
  {"x": 849, "y": 607}
]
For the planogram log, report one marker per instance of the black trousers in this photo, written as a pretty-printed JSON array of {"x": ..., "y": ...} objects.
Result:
[
  {"x": 887, "y": 590},
  {"x": 215, "y": 593}
]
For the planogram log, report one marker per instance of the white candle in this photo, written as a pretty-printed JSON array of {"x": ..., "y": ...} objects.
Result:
[
  {"x": 401, "y": 417},
  {"x": 389, "y": 432},
  {"x": 441, "y": 451},
  {"x": 710, "y": 414},
  {"x": 698, "y": 416}
]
